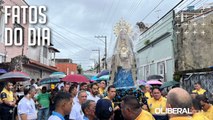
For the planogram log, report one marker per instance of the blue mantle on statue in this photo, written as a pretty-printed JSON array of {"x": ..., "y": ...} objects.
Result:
[{"x": 123, "y": 78}]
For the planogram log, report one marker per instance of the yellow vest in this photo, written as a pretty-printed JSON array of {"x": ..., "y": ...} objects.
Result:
[
  {"x": 209, "y": 113},
  {"x": 9, "y": 94},
  {"x": 182, "y": 118},
  {"x": 147, "y": 94},
  {"x": 144, "y": 115},
  {"x": 199, "y": 92},
  {"x": 153, "y": 104},
  {"x": 199, "y": 116}
]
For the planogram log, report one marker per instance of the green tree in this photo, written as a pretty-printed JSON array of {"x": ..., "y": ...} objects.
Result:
[{"x": 79, "y": 69}]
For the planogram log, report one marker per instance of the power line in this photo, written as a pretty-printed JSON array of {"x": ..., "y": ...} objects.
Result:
[
  {"x": 133, "y": 12},
  {"x": 114, "y": 12},
  {"x": 64, "y": 38},
  {"x": 152, "y": 10},
  {"x": 66, "y": 29},
  {"x": 107, "y": 16}
]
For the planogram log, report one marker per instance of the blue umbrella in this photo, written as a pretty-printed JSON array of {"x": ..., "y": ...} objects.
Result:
[
  {"x": 14, "y": 77},
  {"x": 103, "y": 72},
  {"x": 104, "y": 77},
  {"x": 58, "y": 75},
  {"x": 94, "y": 78},
  {"x": 88, "y": 76},
  {"x": 49, "y": 80},
  {"x": 2, "y": 71},
  {"x": 169, "y": 83}
]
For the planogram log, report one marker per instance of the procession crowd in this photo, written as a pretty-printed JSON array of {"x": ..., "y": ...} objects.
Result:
[{"x": 97, "y": 101}]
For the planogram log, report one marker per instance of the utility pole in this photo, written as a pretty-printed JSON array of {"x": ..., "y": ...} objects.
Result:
[
  {"x": 99, "y": 63},
  {"x": 105, "y": 43},
  {"x": 93, "y": 61}
]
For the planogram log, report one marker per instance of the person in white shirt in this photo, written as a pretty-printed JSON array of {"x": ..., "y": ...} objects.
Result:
[
  {"x": 76, "y": 112},
  {"x": 60, "y": 85},
  {"x": 94, "y": 90},
  {"x": 63, "y": 103},
  {"x": 33, "y": 83},
  {"x": 26, "y": 106}
]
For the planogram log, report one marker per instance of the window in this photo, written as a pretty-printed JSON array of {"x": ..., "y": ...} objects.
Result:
[
  {"x": 146, "y": 71},
  {"x": 161, "y": 68},
  {"x": 45, "y": 52}
]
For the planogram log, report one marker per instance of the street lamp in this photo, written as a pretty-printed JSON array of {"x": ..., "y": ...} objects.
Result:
[
  {"x": 105, "y": 42},
  {"x": 99, "y": 65}
]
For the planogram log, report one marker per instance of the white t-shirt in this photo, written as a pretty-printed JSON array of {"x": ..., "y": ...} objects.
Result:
[
  {"x": 76, "y": 112},
  {"x": 35, "y": 85},
  {"x": 90, "y": 97},
  {"x": 54, "y": 117},
  {"x": 26, "y": 106},
  {"x": 60, "y": 85}
]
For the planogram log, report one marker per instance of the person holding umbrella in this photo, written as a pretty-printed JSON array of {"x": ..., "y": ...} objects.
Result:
[{"x": 8, "y": 102}]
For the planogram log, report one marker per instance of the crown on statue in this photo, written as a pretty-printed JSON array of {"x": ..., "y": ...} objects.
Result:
[{"x": 122, "y": 25}]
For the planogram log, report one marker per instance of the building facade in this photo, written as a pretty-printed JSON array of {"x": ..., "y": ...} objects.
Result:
[
  {"x": 155, "y": 54},
  {"x": 37, "y": 61},
  {"x": 66, "y": 66}
]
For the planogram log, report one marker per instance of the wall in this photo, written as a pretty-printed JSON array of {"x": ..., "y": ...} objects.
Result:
[
  {"x": 158, "y": 51},
  {"x": 67, "y": 68},
  {"x": 13, "y": 51},
  {"x": 194, "y": 51}
]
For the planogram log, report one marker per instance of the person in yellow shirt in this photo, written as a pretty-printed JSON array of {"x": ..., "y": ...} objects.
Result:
[
  {"x": 179, "y": 98},
  {"x": 102, "y": 86},
  {"x": 147, "y": 91},
  {"x": 156, "y": 102},
  {"x": 9, "y": 102},
  {"x": 197, "y": 111},
  {"x": 111, "y": 93},
  {"x": 206, "y": 106},
  {"x": 131, "y": 109},
  {"x": 198, "y": 89}
]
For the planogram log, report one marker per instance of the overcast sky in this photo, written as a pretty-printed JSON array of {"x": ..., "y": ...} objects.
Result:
[{"x": 75, "y": 23}]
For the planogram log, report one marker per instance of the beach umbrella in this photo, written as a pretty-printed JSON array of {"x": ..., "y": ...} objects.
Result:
[
  {"x": 58, "y": 74},
  {"x": 154, "y": 77},
  {"x": 49, "y": 80},
  {"x": 75, "y": 78},
  {"x": 154, "y": 82},
  {"x": 14, "y": 77},
  {"x": 168, "y": 84}
]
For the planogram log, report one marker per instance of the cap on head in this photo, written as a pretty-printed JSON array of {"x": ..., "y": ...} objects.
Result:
[{"x": 104, "y": 109}]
